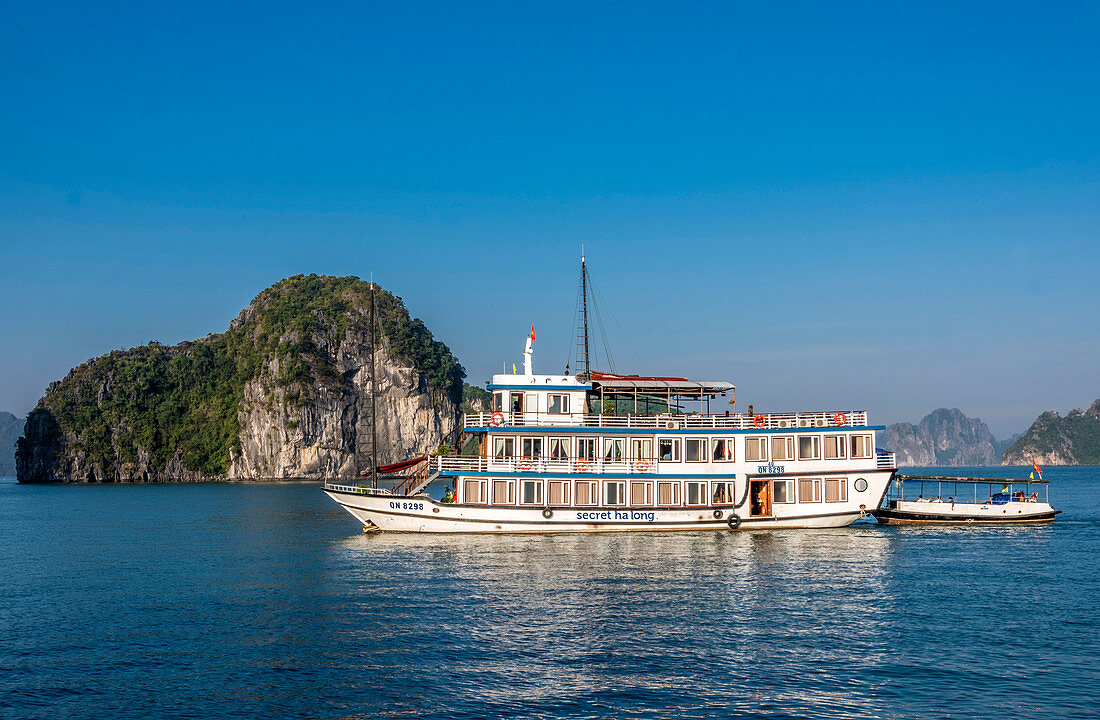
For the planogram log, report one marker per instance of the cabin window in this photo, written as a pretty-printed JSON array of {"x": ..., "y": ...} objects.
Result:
[
  {"x": 504, "y": 492},
  {"x": 641, "y": 448},
  {"x": 756, "y": 449},
  {"x": 668, "y": 493},
  {"x": 532, "y": 448},
  {"x": 614, "y": 493},
  {"x": 498, "y": 402},
  {"x": 783, "y": 491},
  {"x": 613, "y": 449},
  {"x": 557, "y": 404},
  {"x": 668, "y": 449},
  {"x": 517, "y": 402},
  {"x": 695, "y": 449},
  {"x": 559, "y": 448},
  {"x": 834, "y": 447},
  {"x": 558, "y": 494},
  {"x": 641, "y": 493},
  {"x": 721, "y": 493},
  {"x": 836, "y": 489},
  {"x": 721, "y": 450},
  {"x": 586, "y": 448},
  {"x": 531, "y": 492},
  {"x": 695, "y": 493},
  {"x": 861, "y": 446},
  {"x": 504, "y": 448},
  {"x": 531, "y": 402},
  {"x": 783, "y": 448},
  {"x": 473, "y": 492},
  {"x": 586, "y": 492},
  {"x": 809, "y": 490},
  {"x": 809, "y": 447}
]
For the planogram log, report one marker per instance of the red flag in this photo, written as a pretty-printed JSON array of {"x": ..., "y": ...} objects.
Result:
[
  {"x": 532, "y": 332},
  {"x": 1036, "y": 468}
]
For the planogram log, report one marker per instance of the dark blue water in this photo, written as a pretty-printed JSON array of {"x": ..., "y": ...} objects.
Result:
[{"x": 266, "y": 600}]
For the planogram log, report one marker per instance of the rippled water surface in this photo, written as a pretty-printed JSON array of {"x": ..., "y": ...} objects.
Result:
[{"x": 250, "y": 600}]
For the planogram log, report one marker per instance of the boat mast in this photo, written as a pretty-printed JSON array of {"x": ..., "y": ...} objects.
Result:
[
  {"x": 373, "y": 393},
  {"x": 584, "y": 312}
]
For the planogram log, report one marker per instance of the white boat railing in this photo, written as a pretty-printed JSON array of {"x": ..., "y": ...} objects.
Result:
[
  {"x": 886, "y": 460},
  {"x": 741, "y": 421},
  {"x": 358, "y": 489},
  {"x": 451, "y": 464}
]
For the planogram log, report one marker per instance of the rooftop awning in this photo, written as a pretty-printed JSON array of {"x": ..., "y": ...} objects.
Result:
[{"x": 662, "y": 385}]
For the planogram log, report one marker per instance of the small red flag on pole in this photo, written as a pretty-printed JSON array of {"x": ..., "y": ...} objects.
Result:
[{"x": 532, "y": 332}]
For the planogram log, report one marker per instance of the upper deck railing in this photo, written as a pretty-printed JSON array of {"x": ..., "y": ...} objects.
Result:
[{"x": 741, "y": 421}]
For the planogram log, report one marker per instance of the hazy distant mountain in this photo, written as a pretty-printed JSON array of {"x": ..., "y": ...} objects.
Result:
[
  {"x": 11, "y": 427},
  {"x": 1055, "y": 440},
  {"x": 943, "y": 437}
]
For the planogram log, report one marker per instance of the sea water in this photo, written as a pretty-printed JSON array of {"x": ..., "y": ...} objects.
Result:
[{"x": 266, "y": 600}]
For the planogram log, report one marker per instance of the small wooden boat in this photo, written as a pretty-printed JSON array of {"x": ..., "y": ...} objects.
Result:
[{"x": 993, "y": 501}]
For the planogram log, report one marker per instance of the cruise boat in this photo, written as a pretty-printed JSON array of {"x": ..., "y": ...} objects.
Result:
[
  {"x": 965, "y": 501},
  {"x": 606, "y": 452}
]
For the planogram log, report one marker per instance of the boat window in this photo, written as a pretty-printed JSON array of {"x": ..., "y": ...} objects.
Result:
[
  {"x": 783, "y": 491},
  {"x": 504, "y": 447},
  {"x": 504, "y": 492},
  {"x": 586, "y": 492},
  {"x": 809, "y": 447},
  {"x": 695, "y": 449},
  {"x": 531, "y": 402},
  {"x": 722, "y": 449},
  {"x": 531, "y": 492},
  {"x": 517, "y": 402},
  {"x": 721, "y": 493},
  {"x": 668, "y": 449},
  {"x": 783, "y": 448},
  {"x": 641, "y": 493},
  {"x": 557, "y": 403},
  {"x": 559, "y": 448},
  {"x": 695, "y": 493},
  {"x": 532, "y": 448},
  {"x": 614, "y": 493},
  {"x": 809, "y": 490},
  {"x": 498, "y": 402},
  {"x": 473, "y": 491},
  {"x": 861, "y": 446},
  {"x": 558, "y": 493},
  {"x": 613, "y": 449},
  {"x": 586, "y": 448},
  {"x": 668, "y": 493},
  {"x": 836, "y": 489},
  {"x": 834, "y": 447},
  {"x": 756, "y": 448},
  {"x": 641, "y": 448}
]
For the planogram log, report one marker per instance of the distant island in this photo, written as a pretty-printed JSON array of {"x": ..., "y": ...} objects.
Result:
[
  {"x": 11, "y": 427},
  {"x": 1055, "y": 440},
  {"x": 284, "y": 392}
]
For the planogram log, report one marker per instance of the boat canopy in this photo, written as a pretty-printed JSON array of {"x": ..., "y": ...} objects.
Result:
[{"x": 663, "y": 386}]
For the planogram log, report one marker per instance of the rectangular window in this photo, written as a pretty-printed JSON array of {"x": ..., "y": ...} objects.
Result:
[
  {"x": 721, "y": 450},
  {"x": 695, "y": 449},
  {"x": 834, "y": 447},
  {"x": 504, "y": 448},
  {"x": 614, "y": 493},
  {"x": 641, "y": 493},
  {"x": 558, "y": 493},
  {"x": 721, "y": 493},
  {"x": 557, "y": 403},
  {"x": 836, "y": 489},
  {"x": 586, "y": 448},
  {"x": 517, "y": 402},
  {"x": 504, "y": 492},
  {"x": 809, "y": 447},
  {"x": 531, "y": 448},
  {"x": 531, "y": 402},
  {"x": 668, "y": 449},
  {"x": 809, "y": 490},
  {"x": 498, "y": 402},
  {"x": 668, "y": 493},
  {"x": 641, "y": 448},
  {"x": 756, "y": 449},
  {"x": 695, "y": 493},
  {"x": 783, "y": 448},
  {"x": 559, "y": 448},
  {"x": 613, "y": 449},
  {"x": 473, "y": 492},
  {"x": 783, "y": 491},
  {"x": 861, "y": 446},
  {"x": 531, "y": 492},
  {"x": 586, "y": 492}
]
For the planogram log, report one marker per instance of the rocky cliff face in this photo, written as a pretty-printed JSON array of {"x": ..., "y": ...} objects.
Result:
[
  {"x": 943, "y": 437},
  {"x": 10, "y": 429},
  {"x": 1054, "y": 440},
  {"x": 285, "y": 392}
]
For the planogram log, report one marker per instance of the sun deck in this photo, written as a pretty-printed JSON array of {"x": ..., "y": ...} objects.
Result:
[{"x": 669, "y": 421}]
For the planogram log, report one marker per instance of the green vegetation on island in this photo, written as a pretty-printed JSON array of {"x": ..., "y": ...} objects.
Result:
[{"x": 1056, "y": 440}]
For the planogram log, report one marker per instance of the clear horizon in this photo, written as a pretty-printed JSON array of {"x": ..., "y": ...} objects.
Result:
[{"x": 853, "y": 206}]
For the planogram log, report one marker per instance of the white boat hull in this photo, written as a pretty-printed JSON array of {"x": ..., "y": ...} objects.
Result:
[{"x": 930, "y": 512}]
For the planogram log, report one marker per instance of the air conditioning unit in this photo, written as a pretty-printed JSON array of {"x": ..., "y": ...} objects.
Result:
[
  {"x": 820, "y": 422},
  {"x": 802, "y": 422},
  {"x": 670, "y": 425},
  {"x": 784, "y": 423}
]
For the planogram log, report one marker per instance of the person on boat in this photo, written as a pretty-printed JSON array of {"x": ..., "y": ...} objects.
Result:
[
  {"x": 952, "y": 501},
  {"x": 920, "y": 498},
  {"x": 448, "y": 496},
  {"x": 938, "y": 499}
]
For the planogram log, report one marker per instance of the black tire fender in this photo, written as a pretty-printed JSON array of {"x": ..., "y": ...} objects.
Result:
[
  {"x": 734, "y": 521},
  {"x": 717, "y": 514},
  {"x": 547, "y": 513}
]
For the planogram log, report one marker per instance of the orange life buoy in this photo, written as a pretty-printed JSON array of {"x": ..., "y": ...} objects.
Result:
[
  {"x": 497, "y": 419},
  {"x": 525, "y": 463},
  {"x": 759, "y": 421},
  {"x": 582, "y": 465},
  {"x": 642, "y": 466},
  {"x": 840, "y": 419}
]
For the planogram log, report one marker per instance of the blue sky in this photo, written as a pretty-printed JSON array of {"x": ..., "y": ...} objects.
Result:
[{"x": 876, "y": 205}]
